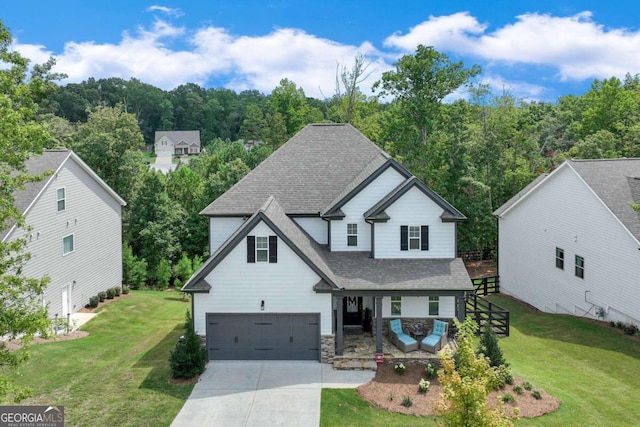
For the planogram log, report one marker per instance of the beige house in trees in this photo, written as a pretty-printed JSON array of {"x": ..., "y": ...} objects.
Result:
[{"x": 177, "y": 143}]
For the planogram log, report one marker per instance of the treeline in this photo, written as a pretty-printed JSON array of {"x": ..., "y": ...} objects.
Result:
[{"x": 476, "y": 152}]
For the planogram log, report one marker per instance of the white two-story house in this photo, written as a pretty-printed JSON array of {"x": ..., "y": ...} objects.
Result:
[
  {"x": 326, "y": 228},
  {"x": 76, "y": 231}
]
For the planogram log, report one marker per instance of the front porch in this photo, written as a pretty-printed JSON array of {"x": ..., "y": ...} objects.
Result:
[{"x": 359, "y": 352}]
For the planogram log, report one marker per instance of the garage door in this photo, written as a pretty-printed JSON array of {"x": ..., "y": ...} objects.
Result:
[{"x": 263, "y": 336}]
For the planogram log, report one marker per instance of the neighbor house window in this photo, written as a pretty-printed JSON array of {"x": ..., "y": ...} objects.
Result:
[
  {"x": 67, "y": 244},
  {"x": 414, "y": 237},
  {"x": 62, "y": 204},
  {"x": 560, "y": 258},
  {"x": 352, "y": 234},
  {"x": 434, "y": 306},
  {"x": 396, "y": 306},
  {"x": 580, "y": 266},
  {"x": 262, "y": 249}
]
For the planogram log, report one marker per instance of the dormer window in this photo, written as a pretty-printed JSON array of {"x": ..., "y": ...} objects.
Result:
[
  {"x": 414, "y": 237},
  {"x": 262, "y": 249},
  {"x": 352, "y": 234},
  {"x": 62, "y": 201}
]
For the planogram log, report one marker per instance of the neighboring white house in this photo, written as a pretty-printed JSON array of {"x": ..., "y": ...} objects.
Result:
[
  {"x": 76, "y": 230},
  {"x": 325, "y": 228},
  {"x": 177, "y": 143},
  {"x": 570, "y": 241}
]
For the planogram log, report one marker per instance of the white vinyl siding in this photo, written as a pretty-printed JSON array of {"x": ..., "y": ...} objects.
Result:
[
  {"x": 94, "y": 220},
  {"x": 357, "y": 206},
  {"x": 581, "y": 225},
  {"x": 315, "y": 227},
  {"x": 415, "y": 208},
  {"x": 285, "y": 287},
  {"x": 419, "y": 307},
  {"x": 220, "y": 228}
]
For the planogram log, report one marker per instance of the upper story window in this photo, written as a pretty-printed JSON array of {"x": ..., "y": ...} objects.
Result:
[
  {"x": 560, "y": 258},
  {"x": 434, "y": 306},
  {"x": 62, "y": 199},
  {"x": 67, "y": 244},
  {"x": 579, "y": 266},
  {"x": 262, "y": 249},
  {"x": 352, "y": 234},
  {"x": 413, "y": 237},
  {"x": 396, "y": 306}
]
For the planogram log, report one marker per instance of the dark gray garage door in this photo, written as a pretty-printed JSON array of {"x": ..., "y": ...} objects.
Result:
[{"x": 263, "y": 336}]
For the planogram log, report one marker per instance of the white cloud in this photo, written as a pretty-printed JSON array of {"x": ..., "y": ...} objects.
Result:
[
  {"x": 576, "y": 46},
  {"x": 173, "y": 12}
]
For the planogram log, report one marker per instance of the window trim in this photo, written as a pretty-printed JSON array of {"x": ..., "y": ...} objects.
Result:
[
  {"x": 73, "y": 244},
  {"x": 415, "y": 229},
  {"x": 406, "y": 237},
  {"x": 560, "y": 258},
  {"x": 63, "y": 199},
  {"x": 579, "y": 269},
  {"x": 264, "y": 240},
  {"x": 397, "y": 301},
  {"x": 435, "y": 300},
  {"x": 352, "y": 234}
]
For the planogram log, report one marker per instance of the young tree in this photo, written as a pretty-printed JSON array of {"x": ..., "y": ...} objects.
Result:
[
  {"x": 21, "y": 136},
  {"x": 163, "y": 274},
  {"x": 463, "y": 402},
  {"x": 134, "y": 270},
  {"x": 489, "y": 346}
]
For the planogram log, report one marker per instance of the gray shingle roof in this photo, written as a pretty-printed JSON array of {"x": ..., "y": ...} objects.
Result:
[
  {"x": 357, "y": 271},
  {"x": 305, "y": 175},
  {"x": 189, "y": 136},
  {"x": 614, "y": 181}
]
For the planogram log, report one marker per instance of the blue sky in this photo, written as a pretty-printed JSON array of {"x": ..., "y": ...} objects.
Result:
[{"x": 536, "y": 50}]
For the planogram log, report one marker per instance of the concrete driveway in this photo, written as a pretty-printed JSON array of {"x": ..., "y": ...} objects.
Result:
[{"x": 263, "y": 393}]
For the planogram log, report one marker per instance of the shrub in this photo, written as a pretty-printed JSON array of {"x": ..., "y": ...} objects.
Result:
[
  {"x": 507, "y": 398},
  {"x": 163, "y": 274},
  {"x": 536, "y": 394},
  {"x": 94, "y": 301},
  {"x": 489, "y": 346},
  {"x": 431, "y": 370},
  {"x": 117, "y": 290},
  {"x": 400, "y": 368},
  {"x": 630, "y": 329},
  {"x": 125, "y": 289},
  {"x": 111, "y": 293},
  {"x": 189, "y": 357},
  {"x": 619, "y": 325},
  {"x": 518, "y": 389},
  {"x": 527, "y": 386},
  {"x": 423, "y": 385},
  {"x": 612, "y": 323},
  {"x": 102, "y": 296},
  {"x": 407, "y": 402}
]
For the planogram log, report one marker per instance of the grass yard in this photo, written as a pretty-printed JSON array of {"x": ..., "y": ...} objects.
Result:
[
  {"x": 118, "y": 375},
  {"x": 591, "y": 368}
]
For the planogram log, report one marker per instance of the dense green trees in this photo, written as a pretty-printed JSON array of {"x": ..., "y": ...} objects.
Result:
[{"x": 21, "y": 136}]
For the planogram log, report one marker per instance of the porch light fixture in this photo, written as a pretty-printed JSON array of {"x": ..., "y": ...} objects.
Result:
[{"x": 262, "y": 305}]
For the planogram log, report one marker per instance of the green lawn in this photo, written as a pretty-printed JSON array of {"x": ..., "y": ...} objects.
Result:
[
  {"x": 118, "y": 375},
  {"x": 591, "y": 368}
]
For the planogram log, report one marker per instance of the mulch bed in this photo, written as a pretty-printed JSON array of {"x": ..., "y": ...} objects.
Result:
[{"x": 388, "y": 388}]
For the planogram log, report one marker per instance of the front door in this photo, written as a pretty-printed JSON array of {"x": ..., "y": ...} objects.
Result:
[
  {"x": 65, "y": 301},
  {"x": 352, "y": 309}
]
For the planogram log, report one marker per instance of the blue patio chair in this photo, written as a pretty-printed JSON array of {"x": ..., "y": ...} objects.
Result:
[
  {"x": 401, "y": 340},
  {"x": 437, "y": 337}
]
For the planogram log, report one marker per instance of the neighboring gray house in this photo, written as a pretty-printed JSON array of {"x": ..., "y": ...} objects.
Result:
[
  {"x": 326, "y": 228},
  {"x": 570, "y": 241},
  {"x": 177, "y": 143},
  {"x": 76, "y": 230}
]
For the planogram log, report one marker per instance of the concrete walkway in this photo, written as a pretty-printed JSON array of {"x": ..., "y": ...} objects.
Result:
[{"x": 263, "y": 393}]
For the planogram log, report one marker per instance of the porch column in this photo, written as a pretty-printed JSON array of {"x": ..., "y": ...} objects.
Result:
[
  {"x": 340, "y": 328},
  {"x": 378, "y": 324},
  {"x": 461, "y": 309}
]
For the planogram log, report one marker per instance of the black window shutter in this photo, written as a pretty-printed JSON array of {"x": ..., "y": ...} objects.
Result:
[
  {"x": 424, "y": 237},
  {"x": 404, "y": 238},
  {"x": 273, "y": 249},
  {"x": 251, "y": 248}
]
